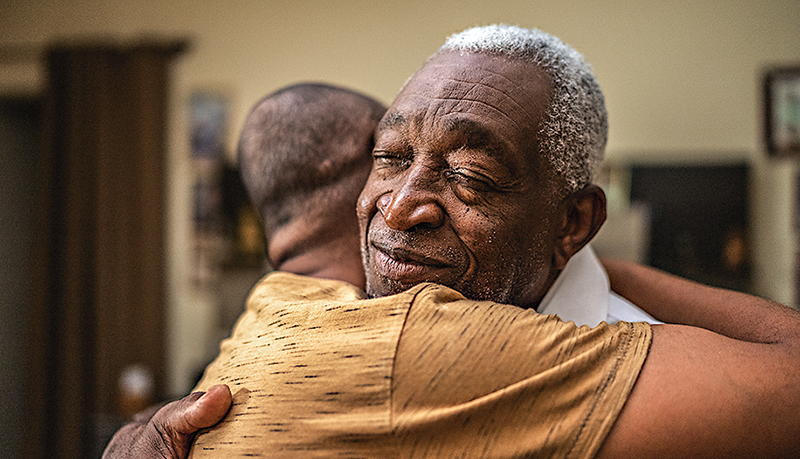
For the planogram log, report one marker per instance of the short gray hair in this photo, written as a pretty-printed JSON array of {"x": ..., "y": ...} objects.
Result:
[{"x": 574, "y": 133}]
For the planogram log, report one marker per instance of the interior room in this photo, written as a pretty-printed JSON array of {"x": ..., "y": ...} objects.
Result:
[{"x": 693, "y": 184}]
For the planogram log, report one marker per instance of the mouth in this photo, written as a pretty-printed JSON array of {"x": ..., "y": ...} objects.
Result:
[
  {"x": 407, "y": 266},
  {"x": 402, "y": 255}
]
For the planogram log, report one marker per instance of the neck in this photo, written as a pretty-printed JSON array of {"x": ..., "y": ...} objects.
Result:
[
  {"x": 335, "y": 259},
  {"x": 315, "y": 264}
]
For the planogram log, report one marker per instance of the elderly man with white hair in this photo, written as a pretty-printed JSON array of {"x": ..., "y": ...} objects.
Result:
[{"x": 480, "y": 194}]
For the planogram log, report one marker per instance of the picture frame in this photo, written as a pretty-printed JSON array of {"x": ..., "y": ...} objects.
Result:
[
  {"x": 782, "y": 111},
  {"x": 208, "y": 123}
]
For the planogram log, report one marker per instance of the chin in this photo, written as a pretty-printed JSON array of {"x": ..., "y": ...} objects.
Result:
[{"x": 378, "y": 286}]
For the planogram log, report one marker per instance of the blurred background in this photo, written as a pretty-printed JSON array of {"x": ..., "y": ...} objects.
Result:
[{"x": 126, "y": 243}]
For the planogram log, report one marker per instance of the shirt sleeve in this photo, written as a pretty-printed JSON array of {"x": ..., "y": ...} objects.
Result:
[
  {"x": 479, "y": 379},
  {"x": 317, "y": 371}
]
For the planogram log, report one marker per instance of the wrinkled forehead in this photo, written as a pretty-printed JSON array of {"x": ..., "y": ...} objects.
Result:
[{"x": 515, "y": 93}]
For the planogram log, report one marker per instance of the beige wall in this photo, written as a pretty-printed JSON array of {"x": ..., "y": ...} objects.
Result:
[{"x": 681, "y": 79}]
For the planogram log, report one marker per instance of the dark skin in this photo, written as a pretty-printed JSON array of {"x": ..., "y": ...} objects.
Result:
[
  {"x": 477, "y": 213},
  {"x": 323, "y": 245},
  {"x": 724, "y": 385},
  {"x": 451, "y": 207},
  {"x": 460, "y": 195},
  {"x": 168, "y": 433},
  {"x": 683, "y": 401},
  {"x": 569, "y": 221}
]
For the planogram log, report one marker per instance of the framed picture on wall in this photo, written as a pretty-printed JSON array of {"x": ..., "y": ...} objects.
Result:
[
  {"x": 208, "y": 123},
  {"x": 782, "y": 111}
]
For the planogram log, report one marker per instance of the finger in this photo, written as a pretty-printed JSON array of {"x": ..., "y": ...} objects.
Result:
[
  {"x": 178, "y": 425},
  {"x": 209, "y": 409},
  {"x": 169, "y": 433}
]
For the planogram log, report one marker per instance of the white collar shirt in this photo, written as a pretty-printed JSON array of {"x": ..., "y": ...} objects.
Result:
[{"x": 582, "y": 294}]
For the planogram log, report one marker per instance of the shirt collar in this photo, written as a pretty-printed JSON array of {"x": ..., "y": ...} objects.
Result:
[{"x": 581, "y": 292}]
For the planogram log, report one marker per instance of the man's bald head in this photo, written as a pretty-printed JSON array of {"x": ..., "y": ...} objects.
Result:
[{"x": 304, "y": 152}]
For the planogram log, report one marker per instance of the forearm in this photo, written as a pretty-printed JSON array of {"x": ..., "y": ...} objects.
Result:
[
  {"x": 675, "y": 300},
  {"x": 701, "y": 393}
]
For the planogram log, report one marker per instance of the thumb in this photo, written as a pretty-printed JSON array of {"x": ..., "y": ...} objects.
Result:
[
  {"x": 204, "y": 411},
  {"x": 169, "y": 433},
  {"x": 196, "y": 411}
]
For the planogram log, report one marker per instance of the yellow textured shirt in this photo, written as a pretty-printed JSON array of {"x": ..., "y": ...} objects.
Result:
[{"x": 318, "y": 371}]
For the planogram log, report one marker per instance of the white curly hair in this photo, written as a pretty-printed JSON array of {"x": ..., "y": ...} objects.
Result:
[{"x": 574, "y": 133}]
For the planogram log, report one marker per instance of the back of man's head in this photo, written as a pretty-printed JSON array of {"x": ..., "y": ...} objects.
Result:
[{"x": 304, "y": 153}]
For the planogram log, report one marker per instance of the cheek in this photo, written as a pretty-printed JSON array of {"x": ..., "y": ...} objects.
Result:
[
  {"x": 362, "y": 209},
  {"x": 491, "y": 243},
  {"x": 365, "y": 206},
  {"x": 535, "y": 253},
  {"x": 518, "y": 251}
]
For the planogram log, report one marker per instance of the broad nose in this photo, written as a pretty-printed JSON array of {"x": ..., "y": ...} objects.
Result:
[{"x": 414, "y": 204}]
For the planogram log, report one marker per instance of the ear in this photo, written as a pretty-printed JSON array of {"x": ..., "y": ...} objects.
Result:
[{"x": 580, "y": 217}]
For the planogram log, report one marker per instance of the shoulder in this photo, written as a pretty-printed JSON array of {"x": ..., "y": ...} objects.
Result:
[
  {"x": 287, "y": 287},
  {"x": 562, "y": 384}
]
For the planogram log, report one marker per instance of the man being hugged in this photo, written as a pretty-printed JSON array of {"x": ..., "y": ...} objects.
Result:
[{"x": 480, "y": 194}]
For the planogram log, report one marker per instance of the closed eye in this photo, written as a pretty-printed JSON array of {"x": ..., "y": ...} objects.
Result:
[
  {"x": 383, "y": 159},
  {"x": 470, "y": 179}
]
